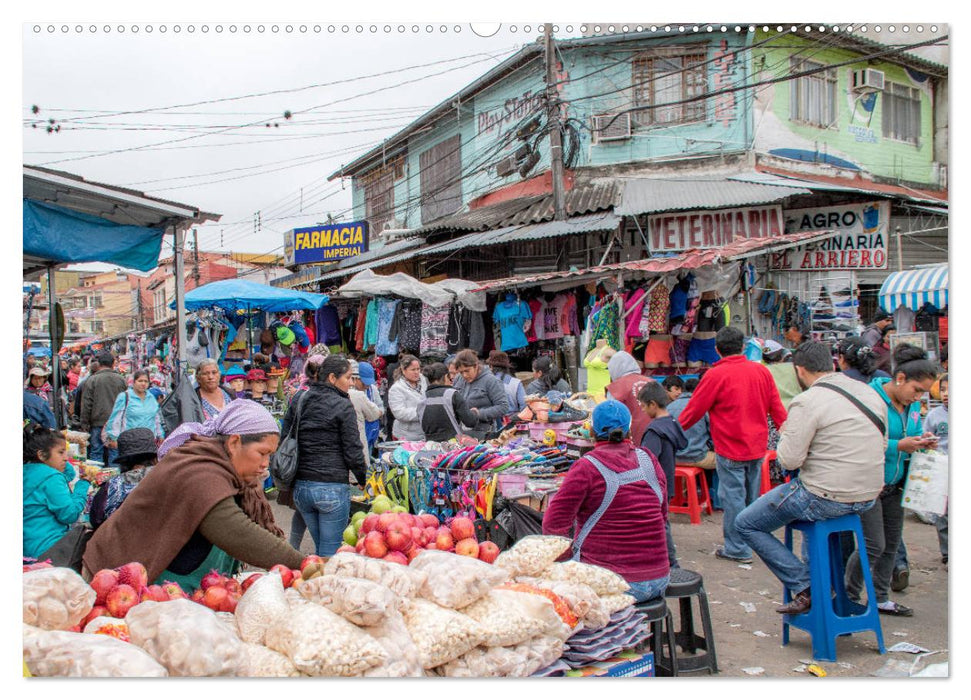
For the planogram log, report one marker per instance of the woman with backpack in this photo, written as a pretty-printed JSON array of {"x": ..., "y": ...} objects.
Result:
[{"x": 135, "y": 408}]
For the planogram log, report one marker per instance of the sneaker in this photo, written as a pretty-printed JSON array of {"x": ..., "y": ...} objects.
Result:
[
  {"x": 720, "y": 553},
  {"x": 900, "y": 580}
]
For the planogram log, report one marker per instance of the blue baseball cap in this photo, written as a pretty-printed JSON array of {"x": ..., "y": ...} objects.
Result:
[
  {"x": 156, "y": 392},
  {"x": 609, "y": 416},
  {"x": 366, "y": 373}
]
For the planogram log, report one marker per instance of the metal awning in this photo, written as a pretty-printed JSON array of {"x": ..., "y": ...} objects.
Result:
[
  {"x": 643, "y": 195},
  {"x": 769, "y": 175},
  {"x": 914, "y": 288}
]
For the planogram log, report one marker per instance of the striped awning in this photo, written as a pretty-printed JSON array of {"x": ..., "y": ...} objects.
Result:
[{"x": 914, "y": 288}]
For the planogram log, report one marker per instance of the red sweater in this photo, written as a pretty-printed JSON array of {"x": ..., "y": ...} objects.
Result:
[
  {"x": 629, "y": 539},
  {"x": 737, "y": 394}
]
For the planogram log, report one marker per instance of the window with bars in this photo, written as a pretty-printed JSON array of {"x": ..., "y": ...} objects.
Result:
[
  {"x": 812, "y": 98},
  {"x": 901, "y": 113},
  {"x": 441, "y": 179},
  {"x": 662, "y": 78}
]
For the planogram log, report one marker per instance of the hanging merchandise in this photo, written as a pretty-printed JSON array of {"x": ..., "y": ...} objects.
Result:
[
  {"x": 386, "y": 345},
  {"x": 659, "y": 309},
  {"x": 678, "y": 299},
  {"x": 604, "y": 323},
  {"x": 536, "y": 331},
  {"x": 434, "y": 329},
  {"x": 328, "y": 325},
  {"x": 406, "y": 325},
  {"x": 636, "y": 306},
  {"x": 511, "y": 316},
  {"x": 371, "y": 324},
  {"x": 711, "y": 314}
]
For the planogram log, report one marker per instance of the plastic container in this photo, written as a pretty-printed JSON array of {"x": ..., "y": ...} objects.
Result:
[{"x": 512, "y": 485}]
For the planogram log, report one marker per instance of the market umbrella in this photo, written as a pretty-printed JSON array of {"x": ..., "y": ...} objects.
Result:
[{"x": 242, "y": 295}]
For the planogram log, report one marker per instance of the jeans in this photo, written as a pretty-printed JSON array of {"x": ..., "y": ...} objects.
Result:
[
  {"x": 883, "y": 526},
  {"x": 942, "y": 534},
  {"x": 97, "y": 449},
  {"x": 738, "y": 487},
  {"x": 782, "y": 505},
  {"x": 325, "y": 508},
  {"x": 298, "y": 528},
  {"x": 901, "y": 562},
  {"x": 648, "y": 590},
  {"x": 672, "y": 550}
]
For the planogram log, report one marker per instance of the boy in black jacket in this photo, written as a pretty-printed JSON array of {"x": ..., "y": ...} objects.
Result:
[
  {"x": 664, "y": 438},
  {"x": 437, "y": 422}
]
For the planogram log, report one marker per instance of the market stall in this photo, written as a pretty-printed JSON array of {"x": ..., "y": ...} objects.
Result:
[{"x": 918, "y": 300}]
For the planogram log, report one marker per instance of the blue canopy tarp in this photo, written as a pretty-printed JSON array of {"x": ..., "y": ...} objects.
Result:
[
  {"x": 62, "y": 235},
  {"x": 39, "y": 351},
  {"x": 241, "y": 295}
]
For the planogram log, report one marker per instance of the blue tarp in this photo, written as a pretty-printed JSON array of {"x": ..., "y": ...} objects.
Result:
[
  {"x": 242, "y": 295},
  {"x": 40, "y": 351},
  {"x": 62, "y": 235}
]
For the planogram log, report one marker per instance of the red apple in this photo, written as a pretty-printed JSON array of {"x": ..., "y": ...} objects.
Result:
[
  {"x": 429, "y": 520},
  {"x": 229, "y": 605},
  {"x": 285, "y": 574},
  {"x": 173, "y": 590},
  {"x": 197, "y": 595},
  {"x": 396, "y": 557},
  {"x": 413, "y": 552},
  {"x": 250, "y": 580},
  {"x": 133, "y": 574},
  {"x": 463, "y": 529},
  {"x": 359, "y": 547},
  {"x": 215, "y": 597},
  {"x": 418, "y": 537},
  {"x": 369, "y": 523},
  {"x": 348, "y": 548},
  {"x": 384, "y": 520},
  {"x": 156, "y": 593},
  {"x": 431, "y": 545},
  {"x": 467, "y": 548},
  {"x": 233, "y": 586},
  {"x": 102, "y": 583},
  {"x": 398, "y": 536},
  {"x": 444, "y": 540},
  {"x": 312, "y": 564},
  {"x": 488, "y": 551},
  {"x": 375, "y": 546},
  {"x": 121, "y": 599},
  {"x": 213, "y": 578},
  {"x": 96, "y": 611},
  {"x": 430, "y": 534},
  {"x": 408, "y": 519}
]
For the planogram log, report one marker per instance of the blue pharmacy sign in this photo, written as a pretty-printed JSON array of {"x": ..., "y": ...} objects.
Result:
[{"x": 326, "y": 243}]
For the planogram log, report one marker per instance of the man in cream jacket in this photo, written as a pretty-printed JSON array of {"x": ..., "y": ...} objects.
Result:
[{"x": 838, "y": 448}]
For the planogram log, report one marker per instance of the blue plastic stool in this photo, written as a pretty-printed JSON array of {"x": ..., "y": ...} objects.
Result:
[{"x": 831, "y": 616}]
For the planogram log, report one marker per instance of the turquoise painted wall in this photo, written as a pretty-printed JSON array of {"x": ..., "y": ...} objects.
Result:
[{"x": 857, "y": 135}]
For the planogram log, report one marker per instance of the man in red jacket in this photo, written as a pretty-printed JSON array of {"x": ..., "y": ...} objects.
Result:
[{"x": 737, "y": 394}]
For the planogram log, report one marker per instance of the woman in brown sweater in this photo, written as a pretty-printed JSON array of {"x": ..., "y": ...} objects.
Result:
[{"x": 202, "y": 506}]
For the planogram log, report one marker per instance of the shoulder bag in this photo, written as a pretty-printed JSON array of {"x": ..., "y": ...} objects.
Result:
[
  {"x": 283, "y": 463},
  {"x": 881, "y": 426}
]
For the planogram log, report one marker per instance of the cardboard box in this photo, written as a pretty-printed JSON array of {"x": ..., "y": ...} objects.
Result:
[{"x": 627, "y": 664}]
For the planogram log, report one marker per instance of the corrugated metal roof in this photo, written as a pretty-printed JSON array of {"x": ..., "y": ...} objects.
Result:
[
  {"x": 769, "y": 174},
  {"x": 648, "y": 195},
  {"x": 688, "y": 260}
]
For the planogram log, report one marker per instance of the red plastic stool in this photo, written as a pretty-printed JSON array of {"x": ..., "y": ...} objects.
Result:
[
  {"x": 685, "y": 499},
  {"x": 766, "y": 468}
]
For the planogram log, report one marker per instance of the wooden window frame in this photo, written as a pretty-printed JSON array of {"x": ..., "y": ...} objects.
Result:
[{"x": 646, "y": 74}]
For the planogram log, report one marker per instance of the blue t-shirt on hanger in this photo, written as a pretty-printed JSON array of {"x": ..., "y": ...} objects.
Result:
[{"x": 510, "y": 315}]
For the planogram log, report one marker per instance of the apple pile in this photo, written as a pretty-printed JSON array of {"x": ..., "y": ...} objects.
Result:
[
  {"x": 311, "y": 567},
  {"x": 119, "y": 590},
  {"x": 399, "y": 536}
]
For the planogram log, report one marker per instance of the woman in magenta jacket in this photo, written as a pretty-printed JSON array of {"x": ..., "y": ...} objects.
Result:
[{"x": 623, "y": 532}]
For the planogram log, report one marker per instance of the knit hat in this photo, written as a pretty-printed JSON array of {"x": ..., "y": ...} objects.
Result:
[
  {"x": 240, "y": 417},
  {"x": 609, "y": 416},
  {"x": 256, "y": 375},
  {"x": 366, "y": 373},
  {"x": 136, "y": 445},
  {"x": 353, "y": 367}
]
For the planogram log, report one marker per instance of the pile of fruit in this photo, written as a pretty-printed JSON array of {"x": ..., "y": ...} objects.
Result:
[
  {"x": 389, "y": 532},
  {"x": 119, "y": 590}
]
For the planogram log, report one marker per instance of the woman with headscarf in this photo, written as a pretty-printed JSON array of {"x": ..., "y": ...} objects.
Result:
[
  {"x": 202, "y": 506},
  {"x": 329, "y": 451},
  {"x": 547, "y": 378},
  {"x": 38, "y": 385},
  {"x": 213, "y": 397},
  {"x": 614, "y": 500},
  {"x": 626, "y": 382},
  {"x": 137, "y": 454}
]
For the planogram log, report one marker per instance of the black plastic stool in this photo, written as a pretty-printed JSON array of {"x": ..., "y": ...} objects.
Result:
[
  {"x": 662, "y": 633},
  {"x": 684, "y": 585}
]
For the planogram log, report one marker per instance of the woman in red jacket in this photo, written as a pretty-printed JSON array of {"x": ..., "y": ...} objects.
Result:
[{"x": 614, "y": 495}]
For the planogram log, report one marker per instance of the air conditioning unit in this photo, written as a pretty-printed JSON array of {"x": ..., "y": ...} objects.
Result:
[
  {"x": 868, "y": 78},
  {"x": 507, "y": 166},
  {"x": 611, "y": 127}
]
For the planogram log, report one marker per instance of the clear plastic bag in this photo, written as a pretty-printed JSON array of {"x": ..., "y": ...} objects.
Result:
[
  {"x": 402, "y": 580},
  {"x": 617, "y": 602},
  {"x": 568, "y": 621},
  {"x": 404, "y": 659},
  {"x": 262, "y": 662},
  {"x": 262, "y": 604},
  {"x": 532, "y": 554},
  {"x": 483, "y": 662},
  {"x": 440, "y": 634},
  {"x": 76, "y": 655},
  {"x": 583, "y": 600},
  {"x": 56, "y": 598},
  {"x": 510, "y": 618},
  {"x": 537, "y": 653},
  {"x": 357, "y": 600},
  {"x": 602, "y": 581},
  {"x": 454, "y": 581},
  {"x": 322, "y": 643},
  {"x": 187, "y": 638}
]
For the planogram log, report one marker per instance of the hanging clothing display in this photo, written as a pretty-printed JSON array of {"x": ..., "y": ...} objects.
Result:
[
  {"x": 466, "y": 329},
  {"x": 679, "y": 349},
  {"x": 678, "y": 299},
  {"x": 659, "y": 309},
  {"x": 328, "y": 325},
  {"x": 537, "y": 307},
  {"x": 510, "y": 317},
  {"x": 371, "y": 324},
  {"x": 604, "y": 323},
  {"x": 386, "y": 344},
  {"x": 555, "y": 323},
  {"x": 434, "y": 329},
  {"x": 406, "y": 326},
  {"x": 711, "y": 316},
  {"x": 634, "y": 319},
  {"x": 691, "y": 312},
  {"x": 568, "y": 314},
  {"x": 703, "y": 350},
  {"x": 658, "y": 351}
]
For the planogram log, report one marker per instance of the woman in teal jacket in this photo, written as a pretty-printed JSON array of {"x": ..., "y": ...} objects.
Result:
[
  {"x": 50, "y": 507},
  {"x": 884, "y": 523},
  {"x": 135, "y": 408}
]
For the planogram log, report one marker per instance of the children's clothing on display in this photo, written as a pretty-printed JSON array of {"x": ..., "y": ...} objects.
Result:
[
  {"x": 510, "y": 316},
  {"x": 434, "y": 329},
  {"x": 658, "y": 352},
  {"x": 703, "y": 350},
  {"x": 386, "y": 345}
]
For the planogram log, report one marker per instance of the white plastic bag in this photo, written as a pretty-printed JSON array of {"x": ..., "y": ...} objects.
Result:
[
  {"x": 262, "y": 604},
  {"x": 454, "y": 581},
  {"x": 357, "y": 600},
  {"x": 440, "y": 634},
  {"x": 509, "y": 617},
  {"x": 322, "y": 643},
  {"x": 403, "y": 580},
  {"x": 602, "y": 581},
  {"x": 617, "y": 602},
  {"x": 262, "y": 662},
  {"x": 532, "y": 554},
  {"x": 583, "y": 600},
  {"x": 483, "y": 662},
  {"x": 538, "y": 653},
  {"x": 187, "y": 638},
  {"x": 78, "y": 655},
  {"x": 404, "y": 659},
  {"x": 56, "y": 598},
  {"x": 925, "y": 488}
]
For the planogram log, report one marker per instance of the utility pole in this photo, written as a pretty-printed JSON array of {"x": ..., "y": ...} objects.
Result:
[
  {"x": 195, "y": 255},
  {"x": 556, "y": 145},
  {"x": 180, "y": 353}
]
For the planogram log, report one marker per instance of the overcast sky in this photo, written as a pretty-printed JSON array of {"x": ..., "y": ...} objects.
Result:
[{"x": 107, "y": 91}]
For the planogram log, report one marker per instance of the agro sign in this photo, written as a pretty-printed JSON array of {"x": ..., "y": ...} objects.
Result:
[
  {"x": 328, "y": 243},
  {"x": 860, "y": 245},
  {"x": 677, "y": 231}
]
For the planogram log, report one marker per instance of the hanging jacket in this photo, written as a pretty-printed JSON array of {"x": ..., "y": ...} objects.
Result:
[{"x": 899, "y": 426}]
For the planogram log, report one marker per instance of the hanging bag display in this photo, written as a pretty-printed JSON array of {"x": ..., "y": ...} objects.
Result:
[{"x": 283, "y": 463}]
